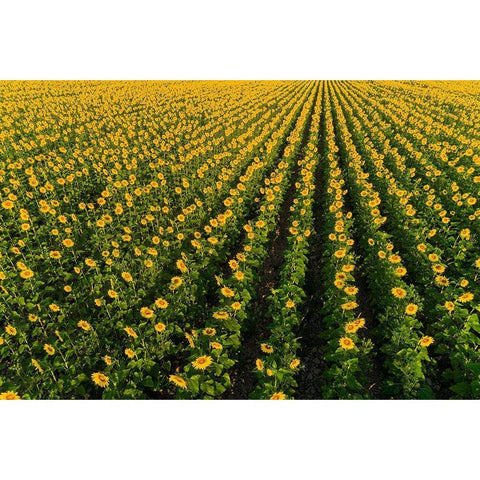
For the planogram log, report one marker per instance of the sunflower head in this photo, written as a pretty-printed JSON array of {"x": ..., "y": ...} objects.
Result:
[
  {"x": 266, "y": 348},
  {"x": 346, "y": 343},
  {"x": 178, "y": 381},
  {"x": 9, "y": 396},
  {"x": 201, "y": 363},
  {"x": 100, "y": 379},
  {"x": 426, "y": 341}
]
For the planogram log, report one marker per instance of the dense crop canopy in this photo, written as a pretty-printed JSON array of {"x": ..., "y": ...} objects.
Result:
[{"x": 239, "y": 240}]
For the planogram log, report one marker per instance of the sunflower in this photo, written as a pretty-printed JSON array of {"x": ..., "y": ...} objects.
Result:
[
  {"x": 178, "y": 381},
  {"x": 130, "y": 332},
  {"x": 176, "y": 282},
  {"x": 236, "y": 305},
  {"x": 349, "y": 306},
  {"x": 266, "y": 348},
  {"x": 426, "y": 341},
  {"x": 145, "y": 312},
  {"x": 84, "y": 325},
  {"x": 26, "y": 274},
  {"x": 278, "y": 396},
  {"x": 161, "y": 303},
  {"x": 49, "y": 349},
  {"x": 466, "y": 297},
  {"x": 399, "y": 292},
  {"x": 220, "y": 315},
  {"x": 160, "y": 327},
  {"x": 7, "y": 205},
  {"x": 259, "y": 364},
  {"x": 441, "y": 280},
  {"x": 127, "y": 277},
  {"x": 227, "y": 292},
  {"x": 112, "y": 294},
  {"x": 438, "y": 268},
  {"x": 90, "y": 262},
  {"x": 201, "y": 363},
  {"x": 359, "y": 322},
  {"x": 129, "y": 353},
  {"x": 216, "y": 346},
  {"x": 290, "y": 304},
  {"x": 68, "y": 243},
  {"x": 9, "y": 396},
  {"x": 209, "y": 331},
  {"x": 181, "y": 266},
  {"x": 351, "y": 327},
  {"x": 450, "y": 306},
  {"x": 421, "y": 247},
  {"x": 189, "y": 339},
  {"x": 107, "y": 359},
  {"x": 100, "y": 379},
  {"x": 294, "y": 363},
  {"x": 239, "y": 275},
  {"x": 37, "y": 366},
  {"x": 394, "y": 259},
  {"x": 11, "y": 330},
  {"x": 411, "y": 309},
  {"x": 400, "y": 271},
  {"x": 346, "y": 343}
]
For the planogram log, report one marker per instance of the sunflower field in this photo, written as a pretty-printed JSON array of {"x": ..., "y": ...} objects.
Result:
[{"x": 239, "y": 240}]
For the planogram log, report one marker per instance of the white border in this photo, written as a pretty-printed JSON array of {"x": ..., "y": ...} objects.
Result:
[
  {"x": 251, "y": 39},
  {"x": 239, "y": 439}
]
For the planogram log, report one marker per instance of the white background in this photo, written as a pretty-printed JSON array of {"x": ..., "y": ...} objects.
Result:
[
  {"x": 211, "y": 39},
  {"x": 248, "y": 39}
]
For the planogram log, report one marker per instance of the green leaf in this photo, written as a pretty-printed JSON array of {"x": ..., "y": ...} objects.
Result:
[
  {"x": 193, "y": 384},
  {"x": 474, "y": 367},
  {"x": 148, "y": 382},
  {"x": 461, "y": 389},
  {"x": 425, "y": 393}
]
